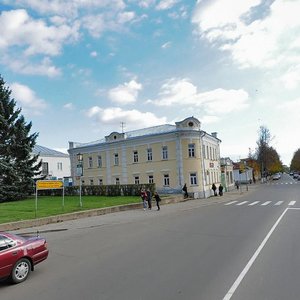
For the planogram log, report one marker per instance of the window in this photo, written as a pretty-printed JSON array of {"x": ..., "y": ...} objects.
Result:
[
  {"x": 203, "y": 149},
  {"x": 164, "y": 152},
  {"x": 149, "y": 154},
  {"x": 117, "y": 181},
  {"x": 150, "y": 179},
  {"x": 91, "y": 181},
  {"x": 45, "y": 170},
  {"x": 90, "y": 162},
  {"x": 6, "y": 243},
  {"x": 136, "y": 180},
  {"x": 100, "y": 181},
  {"x": 207, "y": 153},
  {"x": 166, "y": 180},
  {"x": 191, "y": 150},
  {"x": 59, "y": 166},
  {"x": 116, "y": 159},
  {"x": 99, "y": 161},
  {"x": 135, "y": 156},
  {"x": 193, "y": 178}
]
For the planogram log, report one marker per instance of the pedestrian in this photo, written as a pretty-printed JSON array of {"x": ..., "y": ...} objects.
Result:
[
  {"x": 237, "y": 184},
  {"x": 214, "y": 188},
  {"x": 157, "y": 199},
  {"x": 221, "y": 190},
  {"x": 144, "y": 198},
  {"x": 184, "y": 189},
  {"x": 149, "y": 198}
]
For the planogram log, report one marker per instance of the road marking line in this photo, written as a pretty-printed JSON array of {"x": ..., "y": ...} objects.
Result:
[
  {"x": 266, "y": 203},
  {"x": 278, "y": 203},
  {"x": 242, "y": 203},
  {"x": 253, "y": 203},
  {"x": 292, "y": 203},
  {"x": 252, "y": 260},
  {"x": 231, "y": 202}
]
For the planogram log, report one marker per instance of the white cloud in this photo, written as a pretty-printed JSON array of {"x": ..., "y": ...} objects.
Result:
[
  {"x": 291, "y": 79},
  {"x": 263, "y": 43},
  {"x": 19, "y": 29},
  {"x": 181, "y": 92},
  {"x": 23, "y": 66},
  {"x": 94, "y": 54},
  {"x": 125, "y": 17},
  {"x": 133, "y": 119},
  {"x": 27, "y": 99},
  {"x": 166, "y": 4},
  {"x": 125, "y": 93},
  {"x": 166, "y": 45},
  {"x": 69, "y": 106},
  {"x": 69, "y": 8}
]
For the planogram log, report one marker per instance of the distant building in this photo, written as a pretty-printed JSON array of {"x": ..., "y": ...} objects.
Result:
[
  {"x": 227, "y": 177},
  {"x": 55, "y": 164},
  {"x": 167, "y": 155},
  {"x": 242, "y": 173}
]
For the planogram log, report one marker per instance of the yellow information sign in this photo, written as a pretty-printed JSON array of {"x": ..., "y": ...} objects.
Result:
[{"x": 49, "y": 184}]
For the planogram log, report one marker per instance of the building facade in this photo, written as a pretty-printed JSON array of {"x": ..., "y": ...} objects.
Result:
[
  {"x": 55, "y": 164},
  {"x": 167, "y": 155}
]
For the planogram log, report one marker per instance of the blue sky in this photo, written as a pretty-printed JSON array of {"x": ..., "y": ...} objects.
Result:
[{"x": 78, "y": 69}]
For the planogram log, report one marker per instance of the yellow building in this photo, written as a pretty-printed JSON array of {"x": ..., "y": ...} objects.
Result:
[{"x": 167, "y": 155}]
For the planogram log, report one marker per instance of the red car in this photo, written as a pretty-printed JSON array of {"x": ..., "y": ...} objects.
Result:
[{"x": 19, "y": 255}]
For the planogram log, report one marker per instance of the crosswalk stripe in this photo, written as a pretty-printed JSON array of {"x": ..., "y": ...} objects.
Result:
[
  {"x": 278, "y": 203},
  {"x": 253, "y": 203},
  {"x": 231, "y": 202},
  {"x": 292, "y": 203},
  {"x": 242, "y": 203},
  {"x": 266, "y": 203}
]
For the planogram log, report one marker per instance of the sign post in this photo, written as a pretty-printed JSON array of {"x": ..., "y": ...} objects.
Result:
[{"x": 48, "y": 185}]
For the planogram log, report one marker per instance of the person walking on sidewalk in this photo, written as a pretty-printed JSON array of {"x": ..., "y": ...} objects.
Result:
[
  {"x": 214, "y": 188},
  {"x": 221, "y": 189},
  {"x": 149, "y": 198},
  {"x": 157, "y": 199},
  {"x": 144, "y": 198}
]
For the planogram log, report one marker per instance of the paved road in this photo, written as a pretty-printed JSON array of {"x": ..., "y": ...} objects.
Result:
[{"x": 198, "y": 249}]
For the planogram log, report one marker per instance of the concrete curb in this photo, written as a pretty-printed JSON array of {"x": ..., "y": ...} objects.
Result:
[{"x": 113, "y": 209}]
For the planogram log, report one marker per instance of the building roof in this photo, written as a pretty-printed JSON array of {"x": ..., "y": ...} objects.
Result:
[{"x": 44, "y": 151}]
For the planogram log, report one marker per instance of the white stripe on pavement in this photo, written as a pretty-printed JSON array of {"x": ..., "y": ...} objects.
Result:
[
  {"x": 242, "y": 203},
  {"x": 292, "y": 203},
  {"x": 252, "y": 260},
  {"x": 266, "y": 203},
  {"x": 231, "y": 202},
  {"x": 253, "y": 203},
  {"x": 278, "y": 203}
]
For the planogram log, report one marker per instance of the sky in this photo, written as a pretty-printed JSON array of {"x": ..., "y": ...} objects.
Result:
[{"x": 82, "y": 69}]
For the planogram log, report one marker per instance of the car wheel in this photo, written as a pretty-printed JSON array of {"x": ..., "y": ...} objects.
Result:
[{"x": 21, "y": 270}]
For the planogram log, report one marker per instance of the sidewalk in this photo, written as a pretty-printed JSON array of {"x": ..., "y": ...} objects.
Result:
[{"x": 37, "y": 223}]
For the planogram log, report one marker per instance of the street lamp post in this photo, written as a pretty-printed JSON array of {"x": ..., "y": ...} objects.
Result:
[{"x": 79, "y": 173}]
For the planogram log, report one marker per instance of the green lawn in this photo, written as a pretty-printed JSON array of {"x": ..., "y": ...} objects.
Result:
[{"x": 50, "y": 206}]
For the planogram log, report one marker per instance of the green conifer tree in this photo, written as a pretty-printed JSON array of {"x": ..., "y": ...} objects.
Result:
[{"x": 18, "y": 165}]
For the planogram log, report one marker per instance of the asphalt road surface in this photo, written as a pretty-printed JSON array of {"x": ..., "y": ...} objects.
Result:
[{"x": 240, "y": 248}]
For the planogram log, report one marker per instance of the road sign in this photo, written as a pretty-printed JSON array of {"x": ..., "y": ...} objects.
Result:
[{"x": 49, "y": 184}]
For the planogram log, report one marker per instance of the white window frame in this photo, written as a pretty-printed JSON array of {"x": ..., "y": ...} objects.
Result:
[
  {"x": 99, "y": 161},
  {"x": 166, "y": 180},
  {"x": 135, "y": 156},
  {"x": 116, "y": 157},
  {"x": 193, "y": 178},
  {"x": 164, "y": 152},
  {"x": 191, "y": 150},
  {"x": 149, "y": 154},
  {"x": 136, "y": 180},
  {"x": 150, "y": 179},
  {"x": 90, "y": 161}
]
